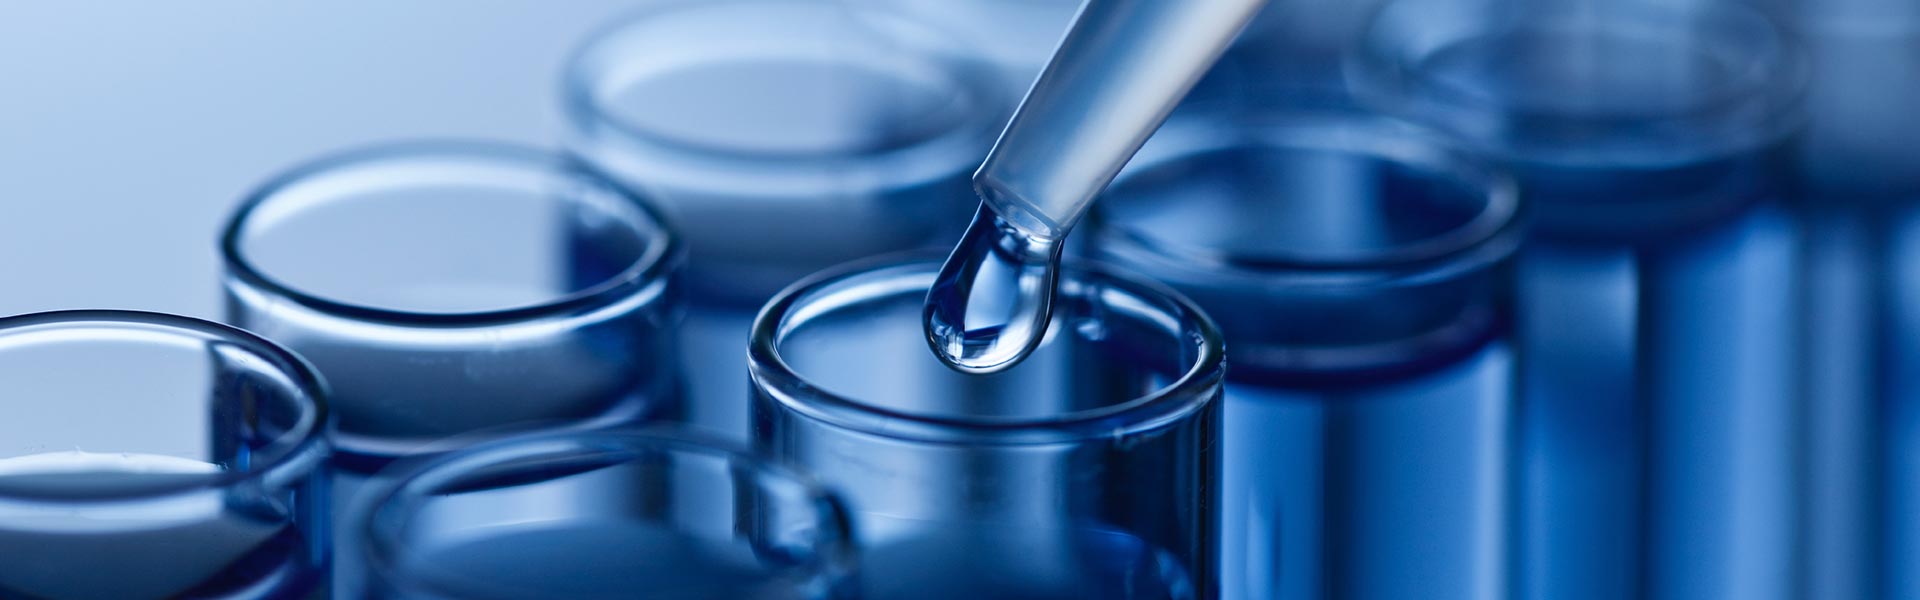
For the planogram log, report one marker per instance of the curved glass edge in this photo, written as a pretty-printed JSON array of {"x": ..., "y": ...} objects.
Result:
[
  {"x": 372, "y": 515},
  {"x": 911, "y": 273},
  {"x": 300, "y": 451},
  {"x": 660, "y": 261}
]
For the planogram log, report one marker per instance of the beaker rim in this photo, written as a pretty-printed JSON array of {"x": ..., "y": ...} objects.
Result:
[
  {"x": 1759, "y": 105},
  {"x": 303, "y": 447},
  {"x": 1494, "y": 231},
  {"x": 420, "y": 476},
  {"x": 932, "y": 155},
  {"x": 664, "y": 248},
  {"x": 1196, "y": 386}
]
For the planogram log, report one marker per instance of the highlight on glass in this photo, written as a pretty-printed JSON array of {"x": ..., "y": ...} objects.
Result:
[
  {"x": 1090, "y": 470},
  {"x": 604, "y": 514},
  {"x": 1357, "y": 269},
  {"x": 145, "y": 455},
  {"x": 782, "y": 138},
  {"x": 445, "y": 288}
]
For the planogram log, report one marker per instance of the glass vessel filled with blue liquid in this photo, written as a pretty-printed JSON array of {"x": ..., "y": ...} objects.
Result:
[
  {"x": 446, "y": 289},
  {"x": 1090, "y": 470},
  {"x": 152, "y": 456},
  {"x": 1859, "y": 194},
  {"x": 1357, "y": 268},
  {"x": 606, "y": 514},
  {"x": 782, "y": 138},
  {"x": 1657, "y": 305}
]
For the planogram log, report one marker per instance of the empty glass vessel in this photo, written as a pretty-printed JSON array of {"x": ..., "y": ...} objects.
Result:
[
  {"x": 1357, "y": 268},
  {"x": 450, "y": 288},
  {"x": 1658, "y": 306},
  {"x": 145, "y": 455},
  {"x": 605, "y": 514},
  {"x": 783, "y": 138},
  {"x": 1091, "y": 470}
]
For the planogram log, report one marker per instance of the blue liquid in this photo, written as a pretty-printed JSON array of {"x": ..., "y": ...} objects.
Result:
[
  {"x": 610, "y": 560},
  {"x": 1012, "y": 561}
]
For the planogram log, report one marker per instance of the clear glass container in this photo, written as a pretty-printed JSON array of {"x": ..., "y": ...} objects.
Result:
[
  {"x": 783, "y": 138},
  {"x": 1357, "y": 268},
  {"x": 1658, "y": 308},
  {"x": 1089, "y": 470},
  {"x": 145, "y": 455},
  {"x": 608, "y": 514}
]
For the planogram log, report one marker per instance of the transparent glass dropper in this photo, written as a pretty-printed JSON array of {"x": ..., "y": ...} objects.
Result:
[{"x": 1122, "y": 67}]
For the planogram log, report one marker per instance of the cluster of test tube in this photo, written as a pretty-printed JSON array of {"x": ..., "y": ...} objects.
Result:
[{"x": 869, "y": 300}]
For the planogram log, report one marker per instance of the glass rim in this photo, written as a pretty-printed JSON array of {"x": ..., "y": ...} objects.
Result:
[
  {"x": 1762, "y": 105},
  {"x": 301, "y": 446},
  {"x": 773, "y": 376},
  {"x": 663, "y": 243},
  {"x": 379, "y": 547},
  {"x": 584, "y": 111},
  {"x": 1493, "y": 232}
]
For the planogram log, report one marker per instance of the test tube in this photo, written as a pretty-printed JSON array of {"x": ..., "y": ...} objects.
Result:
[
  {"x": 1860, "y": 188},
  {"x": 691, "y": 520},
  {"x": 145, "y": 455},
  {"x": 451, "y": 288},
  {"x": 1088, "y": 471},
  {"x": 1357, "y": 269},
  {"x": 1658, "y": 300},
  {"x": 1014, "y": 36},
  {"x": 783, "y": 138}
]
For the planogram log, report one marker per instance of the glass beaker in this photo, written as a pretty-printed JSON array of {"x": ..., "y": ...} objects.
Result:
[
  {"x": 783, "y": 138},
  {"x": 1357, "y": 268},
  {"x": 1657, "y": 307},
  {"x": 449, "y": 288},
  {"x": 145, "y": 455},
  {"x": 1089, "y": 470}
]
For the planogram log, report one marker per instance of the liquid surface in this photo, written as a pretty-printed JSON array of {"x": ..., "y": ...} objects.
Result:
[
  {"x": 588, "y": 561},
  {"x": 176, "y": 545},
  {"x": 991, "y": 303}
]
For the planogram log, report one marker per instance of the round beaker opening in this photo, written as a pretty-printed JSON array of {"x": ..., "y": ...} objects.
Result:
[
  {"x": 445, "y": 229},
  {"x": 1120, "y": 355},
  {"x": 1310, "y": 195},
  {"x": 601, "y": 515},
  {"x": 774, "y": 79},
  {"x": 1626, "y": 83},
  {"x": 128, "y": 404}
]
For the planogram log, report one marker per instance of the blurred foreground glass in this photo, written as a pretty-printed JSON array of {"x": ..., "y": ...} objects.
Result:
[
  {"x": 1091, "y": 470},
  {"x": 152, "y": 456},
  {"x": 1658, "y": 306},
  {"x": 1357, "y": 268},
  {"x": 783, "y": 138},
  {"x": 609, "y": 514}
]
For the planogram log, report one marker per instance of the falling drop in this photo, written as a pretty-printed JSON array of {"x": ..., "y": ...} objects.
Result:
[{"x": 990, "y": 305}]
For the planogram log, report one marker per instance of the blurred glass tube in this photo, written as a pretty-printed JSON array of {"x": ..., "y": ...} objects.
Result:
[
  {"x": 1657, "y": 303},
  {"x": 1088, "y": 471},
  {"x": 1860, "y": 179},
  {"x": 1356, "y": 268},
  {"x": 782, "y": 138},
  {"x": 602, "y": 515},
  {"x": 450, "y": 288},
  {"x": 145, "y": 455}
]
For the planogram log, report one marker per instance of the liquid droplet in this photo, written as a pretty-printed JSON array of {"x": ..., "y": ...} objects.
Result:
[{"x": 990, "y": 305}]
